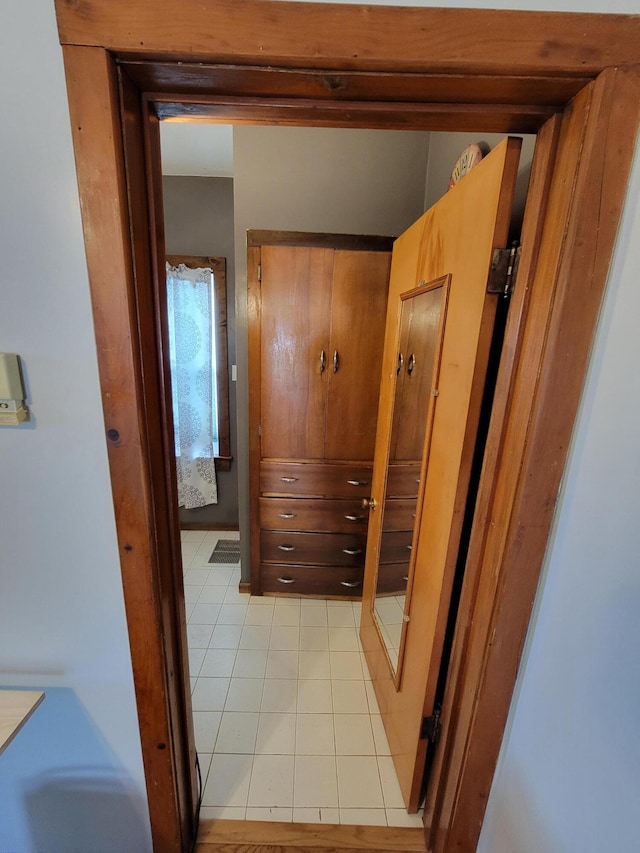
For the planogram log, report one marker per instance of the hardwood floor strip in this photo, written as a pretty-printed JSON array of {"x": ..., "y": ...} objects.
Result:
[{"x": 232, "y": 836}]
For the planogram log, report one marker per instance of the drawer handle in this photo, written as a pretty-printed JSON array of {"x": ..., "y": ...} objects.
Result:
[
  {"x": 405, "y": 578},
  {"x": 289, "y": 479},
  {"x": 352, "y": 551},
  {"x": 286, "y": 580},
  {"x": 350, "y": 584},
  {"x": 358, "y": 482},
  {"x": 286, "y": 548},
  {"x": 355, "y": 517},
  {"x": 417, "y": 480},
  {"x": 409, "y": 547},
  {"x": 287, "y": 514}
]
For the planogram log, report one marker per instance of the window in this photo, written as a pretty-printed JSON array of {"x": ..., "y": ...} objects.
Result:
[{"x": 197, "y": 312}]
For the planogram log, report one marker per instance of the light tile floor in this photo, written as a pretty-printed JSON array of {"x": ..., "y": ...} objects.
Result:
[{"x": 286, "y": 722}]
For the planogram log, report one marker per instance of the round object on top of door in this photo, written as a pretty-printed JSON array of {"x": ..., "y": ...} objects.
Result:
[{"x": 470, "y": 157}]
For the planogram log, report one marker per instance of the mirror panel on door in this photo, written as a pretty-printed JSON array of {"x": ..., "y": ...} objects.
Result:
[{"x": 421, "y": 316}]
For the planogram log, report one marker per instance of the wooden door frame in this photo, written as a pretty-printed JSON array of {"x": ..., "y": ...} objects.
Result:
[{"x": 573, "y": 75}]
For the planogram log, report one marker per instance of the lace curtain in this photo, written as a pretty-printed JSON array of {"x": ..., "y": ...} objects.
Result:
[{"x": 192, "y": 357}]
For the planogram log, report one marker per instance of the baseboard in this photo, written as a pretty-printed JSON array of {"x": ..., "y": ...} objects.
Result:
[{"x": 244, "y": 586}]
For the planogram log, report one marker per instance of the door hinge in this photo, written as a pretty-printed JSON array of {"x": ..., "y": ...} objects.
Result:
[
  {"x": 503, "y": 270},
  {"x": 430, "y": 729},
  {"x": 259, "y": 272}
]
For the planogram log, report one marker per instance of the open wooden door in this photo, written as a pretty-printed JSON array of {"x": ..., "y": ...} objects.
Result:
[{"x": 443, "y": 259}]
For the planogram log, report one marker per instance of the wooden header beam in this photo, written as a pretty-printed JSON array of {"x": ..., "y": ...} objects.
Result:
[{"x": 321, "y": 35}]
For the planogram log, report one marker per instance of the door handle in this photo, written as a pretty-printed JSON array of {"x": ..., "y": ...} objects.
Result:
[
  {"x": 336, "y": 361},
  {"x": 369, "y": 503}
]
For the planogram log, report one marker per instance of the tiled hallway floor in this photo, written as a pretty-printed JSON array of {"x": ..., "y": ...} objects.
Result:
[{"x": 286, "y": 722}]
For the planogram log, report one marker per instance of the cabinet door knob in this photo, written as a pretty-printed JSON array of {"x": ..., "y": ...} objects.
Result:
[
  {"x": 350, "y": 584},
  {"x": 352, "y": 551},
  {"x": 286, "y": 548},
  {"x": 286, "y": 580}
]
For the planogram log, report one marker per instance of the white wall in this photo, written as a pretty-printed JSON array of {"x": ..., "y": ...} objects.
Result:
[
  {"x": 62, "y": 618},
  {"x": 321, "y": 180}
]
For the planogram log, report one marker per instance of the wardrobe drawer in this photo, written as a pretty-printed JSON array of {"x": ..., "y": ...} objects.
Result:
[
  {"x": 399, "y": 514},
  {"x": 315, "y": 479},
  {"x": 314, "y": 515},
  {"x": 325, "y": 581},
  {"x": 403, "y": 480},
  {"x": 318, "y": 549},
  {"x": 395, "y": 546},
  {"x": 392, "y": 579}
]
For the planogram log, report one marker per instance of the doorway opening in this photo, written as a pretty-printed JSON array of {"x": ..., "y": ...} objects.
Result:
[{"x": 234, "y": 709}]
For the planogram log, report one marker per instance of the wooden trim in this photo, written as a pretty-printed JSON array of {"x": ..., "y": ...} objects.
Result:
[
  {"x": 96, "y": 127},
  {"x": 198, "y": 262},
  {"x": 366, "y": 114},
  {"x": 356, "y": 242},
  {"x": 543, "y": 54},
  {"x": 254, "y": 356},
  {"x": 257, "y": 835},
  {"x": 173, "y": 82},
  {"x": 308, "y": 35}
]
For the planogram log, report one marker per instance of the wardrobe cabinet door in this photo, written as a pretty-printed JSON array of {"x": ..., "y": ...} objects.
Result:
[
  {"x": 358, "y": 308},
  {"x": 295, "y": 329}
]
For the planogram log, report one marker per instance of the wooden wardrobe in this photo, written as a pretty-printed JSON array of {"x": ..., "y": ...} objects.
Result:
[{"x": 316, "y": 317}]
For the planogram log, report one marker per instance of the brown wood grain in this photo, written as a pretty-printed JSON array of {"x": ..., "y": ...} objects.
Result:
[
  {"x": 345, "y": 242},
  {"x": 455, "y": 237},
  {"x": 321, "y": 516},
  {"x": 295, "y": 330},
  {"x": 252, "y": 835},
  {"x": 187, "y": 80},
  {"x": 358, "y": 304},
  {"x": 314, "y": 549},
  {"x": 454, "y": 116},
  {"x": 351, "y": 36},
  {"x": 96, "y": 132},
  {"x": 315, "y": 479},
  {"x": 316, "y": 581},
  {"x": 254, "y": 349}
]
